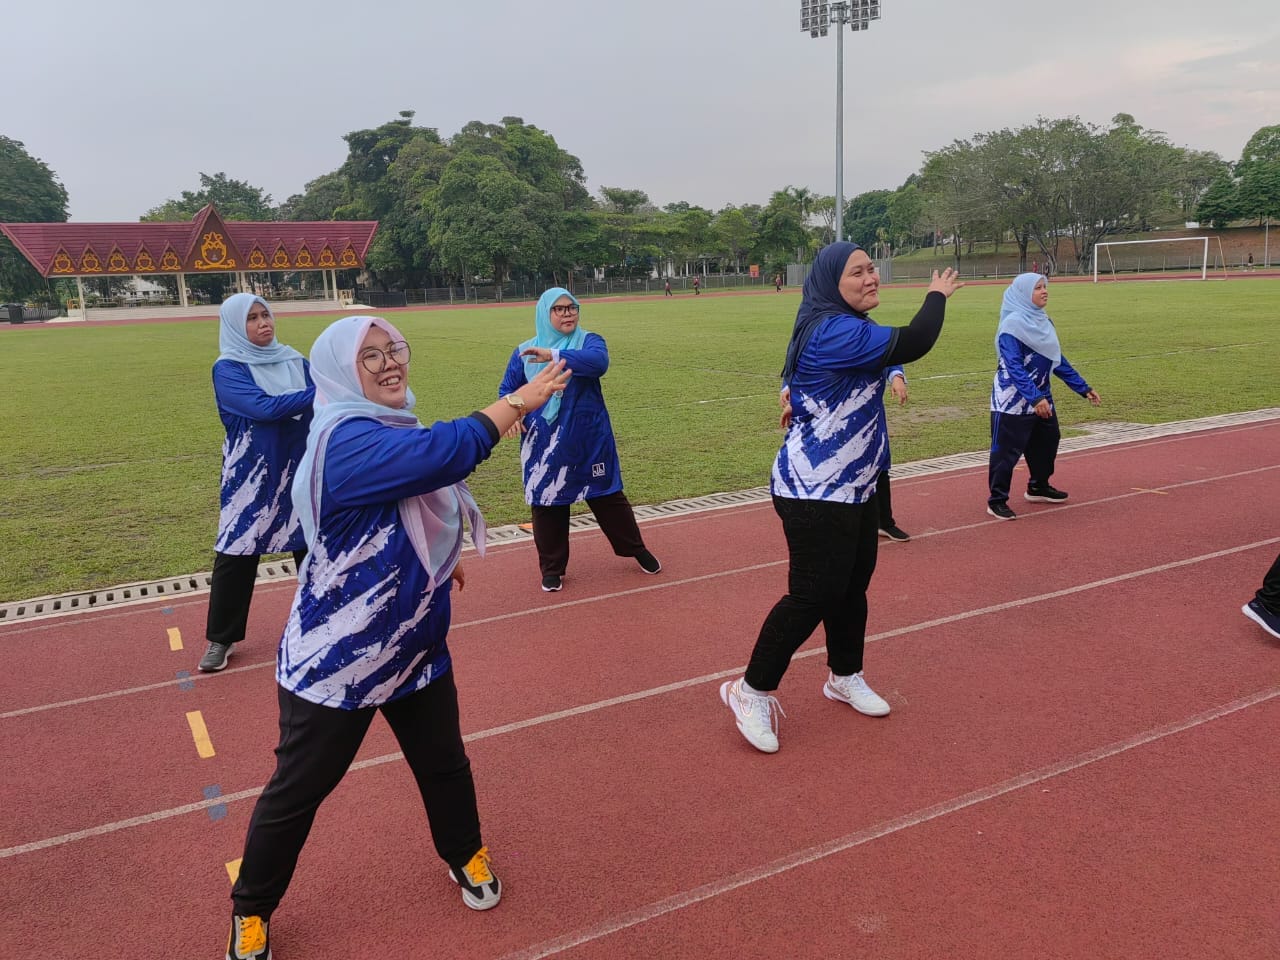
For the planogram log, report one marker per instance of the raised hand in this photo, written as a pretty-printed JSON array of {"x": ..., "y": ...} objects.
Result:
[
  {"x": 946, "y": 283},
  {"x": 550, "y": 380}
]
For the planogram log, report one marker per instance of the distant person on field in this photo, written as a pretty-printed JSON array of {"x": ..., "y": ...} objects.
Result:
[
  {"x": 1035, "y": 266},
  {"x": 777, "y": 282},
  {"x": 1264, "y": 608},
  {"x": 697, "y": 286},
  {"x": 1250, "y": 261},
  {"x": 382, "y": 499},
  {"x": 824, "y": 481},
  {"x": 568, "y": 452},
  {"x": 1023, "y": 418},
  {"x": 666, "y": 288},
  {"x": 264, "y": 394}
]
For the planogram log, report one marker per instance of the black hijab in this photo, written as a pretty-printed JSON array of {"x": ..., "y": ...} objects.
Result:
[{"x": 821, "y": 300}]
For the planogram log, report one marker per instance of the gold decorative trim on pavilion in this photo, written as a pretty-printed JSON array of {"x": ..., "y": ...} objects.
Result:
[{"x": 207, "y": 244}]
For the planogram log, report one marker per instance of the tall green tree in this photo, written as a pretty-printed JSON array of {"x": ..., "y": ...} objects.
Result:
[
  {"x": 1258, "y": 175},
  {"x": 1220, "y": 203},
  {"x": 29, "y": 193},
  {"x": 235, "y": 200},
  {"x": 485, "y": 219}
]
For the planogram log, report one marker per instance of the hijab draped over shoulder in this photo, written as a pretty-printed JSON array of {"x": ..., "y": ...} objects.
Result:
[
  {"x": 821, "y": 300},
  {"x": 433, "y": 521},
  {"x": 548, "y": 337},
  {"x": 276, "y": 368},
  {"x": 1024, "y": 321}
]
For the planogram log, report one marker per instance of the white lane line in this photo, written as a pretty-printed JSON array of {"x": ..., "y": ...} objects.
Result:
[
  {"x": 664, "y": 585},
  {"x": 800, "y": 858},
  {"x": 639, "y": 695}
]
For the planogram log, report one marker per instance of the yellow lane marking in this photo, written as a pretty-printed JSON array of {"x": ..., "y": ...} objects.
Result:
[
  {"x": 204, "y": 746},
  {"x": 233, "y": 868},
  {"x": 175, "y": 639}
]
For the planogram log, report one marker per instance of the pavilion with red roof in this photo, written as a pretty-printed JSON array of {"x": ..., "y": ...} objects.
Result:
[{"x": 207, "y": 244}]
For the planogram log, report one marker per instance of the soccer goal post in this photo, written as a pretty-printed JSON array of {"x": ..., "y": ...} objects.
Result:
[{"x": 1200, "y": 246}]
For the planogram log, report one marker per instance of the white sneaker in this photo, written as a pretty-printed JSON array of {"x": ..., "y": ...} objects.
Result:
[
  {"x": 855, "y": 692},
  {"x": 755, "y": 714}
]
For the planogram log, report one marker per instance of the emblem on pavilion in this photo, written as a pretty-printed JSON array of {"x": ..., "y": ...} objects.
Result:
[{"x": 214, "y": 251}]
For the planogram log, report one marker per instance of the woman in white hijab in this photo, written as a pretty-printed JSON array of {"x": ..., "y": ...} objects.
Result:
[
  {"x": 264, "y": 393},
  {"x": 1023, "y": 418},
  {"x": 382, "y": 500}
]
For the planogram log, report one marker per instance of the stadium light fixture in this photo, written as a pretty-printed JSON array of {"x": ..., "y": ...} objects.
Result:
[{"x": 815, "y": 18}]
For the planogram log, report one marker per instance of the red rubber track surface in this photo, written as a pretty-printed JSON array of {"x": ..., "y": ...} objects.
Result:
[{"x": 1082, "y": 758}]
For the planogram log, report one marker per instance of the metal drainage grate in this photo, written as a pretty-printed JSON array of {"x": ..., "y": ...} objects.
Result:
[{"x": 1099, "y": 434}]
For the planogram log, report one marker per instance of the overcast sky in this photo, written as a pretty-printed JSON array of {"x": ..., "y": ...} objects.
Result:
[{"x": 708, "y": 101}]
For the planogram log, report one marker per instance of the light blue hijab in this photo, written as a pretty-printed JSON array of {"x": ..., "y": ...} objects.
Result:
[
  {"x": 276, "y": 368},
  {"x": 1023, "y": 320},
  {"x": 549, "y": 337},
  {"x": 433, "y": 521}
]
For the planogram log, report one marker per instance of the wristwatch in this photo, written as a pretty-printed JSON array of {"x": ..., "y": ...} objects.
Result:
[{"x": 517, "y": 402}]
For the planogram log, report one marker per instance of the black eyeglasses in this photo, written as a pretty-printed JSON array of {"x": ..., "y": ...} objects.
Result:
[
  {"x": 375, "y": 360},
  {"x": 565, "y": 310}
]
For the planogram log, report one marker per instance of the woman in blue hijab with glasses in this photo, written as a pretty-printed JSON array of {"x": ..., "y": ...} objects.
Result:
[
  {"x": 382, "y": 501},
  {"x": 568, "y": 452},
  {"x": 264, "y": 394},
  {"x": 1023, "y": 418},
  {"x": 824, "y": 481}
]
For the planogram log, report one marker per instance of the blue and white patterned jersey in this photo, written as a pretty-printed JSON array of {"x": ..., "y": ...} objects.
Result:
[
  {"x": 369, "y": 622},
  {"x": 266, "y": 436},
  {"x": 575, "y": 457},
  {"x": 838, "y": 441},
  {"x": 1022, "y": 378}
]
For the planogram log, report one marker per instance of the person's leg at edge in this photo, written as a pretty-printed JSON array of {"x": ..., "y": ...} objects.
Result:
[
  {"x": 1269, "y": 593},
  {"x": 884, "y": 500},
  {"x": 427, "y": 728},
  {"x": 317, "y": 745},
  {"x": 230, "y": 594},
  {"x": 1042, "y": 450},
  {"x": 551, "y": 537},
  {"x": 1009, "y": 435}
]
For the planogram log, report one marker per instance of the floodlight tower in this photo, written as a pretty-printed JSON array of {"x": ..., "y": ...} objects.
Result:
[{"x": 815, "y": 16}]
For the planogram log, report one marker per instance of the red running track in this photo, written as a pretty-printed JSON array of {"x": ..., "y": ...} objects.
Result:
[{"x": 1082, "y": 758}]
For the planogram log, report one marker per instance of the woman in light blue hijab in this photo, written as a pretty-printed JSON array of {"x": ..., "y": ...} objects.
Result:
[
  {"x": 568, "y": 453},
  {"x": 263, "y": 391},
  {"x": 1023, "y": 418}
]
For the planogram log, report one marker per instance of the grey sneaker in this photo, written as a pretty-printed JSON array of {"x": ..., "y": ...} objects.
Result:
[
  {"x": 215, "y": 657},
  {"x": 756, "y": 714},
  {"x": 249, "y": 939},
  {"x": 481, "y": 889}
]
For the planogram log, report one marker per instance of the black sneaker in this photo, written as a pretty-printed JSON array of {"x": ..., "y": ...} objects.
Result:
[
  {"x": 895, "y": 533},
  {"x": 1001, "y": 511},
  {"x": 248, "y": 939},
  {"x": 648, "y": 562},
  {"x": 551, "y": 583},
  {"x": 1044, "y": 494},
  {"x": 215, "y": 657},
  {"x": 481, "y": 890},
  {"x": 1263, "y": 617}
]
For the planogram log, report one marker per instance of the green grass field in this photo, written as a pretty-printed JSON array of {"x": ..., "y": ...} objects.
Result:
[{"x": 112, "y": 444}]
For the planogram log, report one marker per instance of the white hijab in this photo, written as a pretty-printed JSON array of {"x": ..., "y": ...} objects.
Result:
[{"x": 432, "y": 520}]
